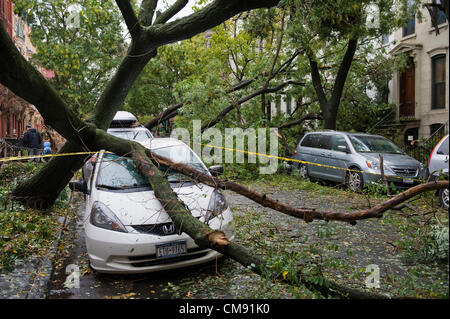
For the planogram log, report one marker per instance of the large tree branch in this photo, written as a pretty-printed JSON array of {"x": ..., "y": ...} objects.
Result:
[
  {"x": 309, "y": 116},
  {"x": 344, "y": 68},
  {"x": 232, "y": 106},
  {"x": 210, "y": 16},
  {"x": 171, "y": 11},
  {"x": 130, "y": 17},
  {"x": 26, "y": 82},
  {"x": 147, "y": 11},
  {"x": 161, "y": 116},
  {"x": 317, "y": 82},
  {"x": 305, "y": 214}
]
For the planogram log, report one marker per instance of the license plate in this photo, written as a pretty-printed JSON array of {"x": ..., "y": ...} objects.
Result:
[
  {"x": 408, "y": 181},
  {"x": 172, "y": 249}
]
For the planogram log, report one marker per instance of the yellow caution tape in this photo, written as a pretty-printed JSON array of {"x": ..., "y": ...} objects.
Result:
[
  {"x": 17, "y": 158},
  {"x": 309, "y": 163}
]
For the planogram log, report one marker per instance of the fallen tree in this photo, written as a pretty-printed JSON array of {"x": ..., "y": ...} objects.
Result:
[{"x": 25, "y": 81}]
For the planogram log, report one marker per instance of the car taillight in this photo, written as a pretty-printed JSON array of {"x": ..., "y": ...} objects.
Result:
[{"x": 295, "y": 153}]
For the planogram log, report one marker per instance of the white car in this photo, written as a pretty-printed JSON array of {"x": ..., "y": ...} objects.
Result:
[
  {"x": 128, "y": 231},
  {"x": 138, "y": 134},
  {"x": 438, "y": 166}
]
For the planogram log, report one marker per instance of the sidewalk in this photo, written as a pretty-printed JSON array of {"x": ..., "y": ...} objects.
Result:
[{"x": 30, "y": 278}]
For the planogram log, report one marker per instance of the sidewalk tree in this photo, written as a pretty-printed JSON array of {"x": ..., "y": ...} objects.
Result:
[{"x": 331, "y": 32}]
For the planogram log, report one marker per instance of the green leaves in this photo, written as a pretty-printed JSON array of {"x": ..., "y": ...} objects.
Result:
[{"x": 82, "y": 57}]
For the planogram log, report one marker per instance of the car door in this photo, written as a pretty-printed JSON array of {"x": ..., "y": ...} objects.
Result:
[
  {"x": 308, "y": 152},
  {"x": 322, "y": 158},
  {"x": 339, "y": 158}
]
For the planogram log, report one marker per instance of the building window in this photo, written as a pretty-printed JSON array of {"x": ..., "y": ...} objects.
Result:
[
  {"x": 410, "y": 27},
  {"x": 288, "y": 106},
  {"x": 435, "y": 127},
  {"x": 438, "y": 82},
  {"x": 437, "y": 15}
]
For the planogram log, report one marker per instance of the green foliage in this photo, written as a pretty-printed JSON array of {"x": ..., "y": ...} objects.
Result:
[
  {"x": 83, "y": 58},
  {"x": 24, "y": 231}
]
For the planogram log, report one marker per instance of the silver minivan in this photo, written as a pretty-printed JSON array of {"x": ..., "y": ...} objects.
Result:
[{"x": 354, "y": 159}]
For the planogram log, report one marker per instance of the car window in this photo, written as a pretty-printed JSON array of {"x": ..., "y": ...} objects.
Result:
[
  {"x": 310, "y": 140},
  {"x": 374, "y": 144},
  {"x": 325, "y": 142},
  {"x": 443, "y": 149},
  {"x": 317, "y": 141},
  {"x": 339, "y": 140}
]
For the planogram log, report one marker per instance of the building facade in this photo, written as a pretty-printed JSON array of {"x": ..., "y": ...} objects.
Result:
[
  {"x": 16, "y": 113},
  {"x": 421, "y": 91}
]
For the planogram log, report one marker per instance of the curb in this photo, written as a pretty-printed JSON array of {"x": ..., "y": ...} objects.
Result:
[
  {"x": 39, "y": 285},
  {"x": 30, "y": 277}
]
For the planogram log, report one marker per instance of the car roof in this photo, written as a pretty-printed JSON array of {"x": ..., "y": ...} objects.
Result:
[
  {"x": 343, "y": 132},
  {"x": 158, "y": 142},
  {"x": 124, "y": 129},
  {"x": 124, "y": 116}
]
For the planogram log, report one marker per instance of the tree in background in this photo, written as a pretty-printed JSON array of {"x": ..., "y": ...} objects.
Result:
[{"x": 76, "y": 50}]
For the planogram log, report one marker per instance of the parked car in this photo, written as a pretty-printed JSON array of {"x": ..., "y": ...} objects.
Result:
[
  {"x": 124, "y": 125},
  {"x": 438, "y": 166},
  {"x": 353, "y": 158},
  {"x": 128, "y": 231}
]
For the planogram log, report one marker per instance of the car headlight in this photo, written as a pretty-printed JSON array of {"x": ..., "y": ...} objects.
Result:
[
  {"x": 217, "y": 205},
  {"x": 103, "y": 217},
  {"x": 372, "y": 164}
]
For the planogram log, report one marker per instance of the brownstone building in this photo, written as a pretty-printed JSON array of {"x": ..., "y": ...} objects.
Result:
[{"x": 16, "y": 113}]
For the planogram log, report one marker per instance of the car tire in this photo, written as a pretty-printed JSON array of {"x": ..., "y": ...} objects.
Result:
[
  {"x": 354, "y": 181},
  {"x": 303, "y": 171},
  {"x": 443, "y": 198}
]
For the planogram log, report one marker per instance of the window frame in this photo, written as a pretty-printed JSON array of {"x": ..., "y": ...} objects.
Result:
[{"x": 434, "y": 84}]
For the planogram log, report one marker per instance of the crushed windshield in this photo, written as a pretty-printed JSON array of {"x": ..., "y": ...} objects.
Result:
[
  {"x": 119, "y": 172},
  {"x": 374, "y": 144},
  {"x": 131, "y": 135}
]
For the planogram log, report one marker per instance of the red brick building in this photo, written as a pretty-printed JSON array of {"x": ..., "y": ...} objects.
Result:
[{"x": 16, "y": 113}]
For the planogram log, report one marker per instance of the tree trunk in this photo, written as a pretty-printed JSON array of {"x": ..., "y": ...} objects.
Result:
[{"x": 43, "y": 188}]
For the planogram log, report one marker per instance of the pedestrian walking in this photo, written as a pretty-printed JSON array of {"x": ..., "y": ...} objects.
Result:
[
  {"x": 32, "y": 140},
  {"x": 47, "y": 151}
]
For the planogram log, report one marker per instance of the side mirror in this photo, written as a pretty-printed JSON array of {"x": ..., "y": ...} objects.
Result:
[
  {"x": 216, "y": 170},
  {"x": 78, "y": 185},
  {"x": 343, "y": 148}
]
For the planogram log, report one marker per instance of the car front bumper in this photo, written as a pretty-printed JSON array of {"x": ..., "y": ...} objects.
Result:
[{"x": 133, "y": 252}]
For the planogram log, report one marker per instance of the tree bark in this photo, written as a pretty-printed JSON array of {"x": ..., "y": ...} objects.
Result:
[{"x": 330, "y": 106}]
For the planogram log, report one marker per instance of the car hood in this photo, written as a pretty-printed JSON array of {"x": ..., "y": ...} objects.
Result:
[
  {"x": 393, "y": 160},
  {"x": 142, "y": 208}
]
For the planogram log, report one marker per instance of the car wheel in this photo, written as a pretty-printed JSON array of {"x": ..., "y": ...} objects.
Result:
[
  {"x": 355, "y": 181},
  {"x": 303, "y": 171},
  {"x": 443, "y": 198}
]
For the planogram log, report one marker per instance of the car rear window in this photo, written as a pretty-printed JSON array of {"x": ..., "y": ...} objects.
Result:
[{"x": 443, "y": 149}]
